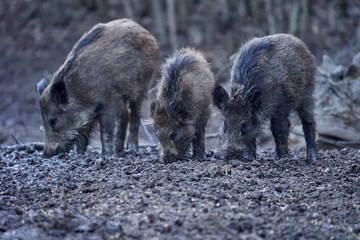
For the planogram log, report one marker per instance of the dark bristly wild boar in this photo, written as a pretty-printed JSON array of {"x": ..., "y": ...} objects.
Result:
[
  {"x": 270, "y": 77},
  {"x": 108, "y": 71},
  {"x": 182, "y": 106}
]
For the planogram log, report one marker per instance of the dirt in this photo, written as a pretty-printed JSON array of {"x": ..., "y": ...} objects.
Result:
[{"x": 137, "y": 196}]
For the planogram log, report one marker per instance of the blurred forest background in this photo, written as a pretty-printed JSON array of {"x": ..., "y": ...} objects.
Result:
[{"x": 37, "y": 35}]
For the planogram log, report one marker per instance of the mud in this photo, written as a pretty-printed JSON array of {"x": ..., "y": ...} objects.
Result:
[{"x": 136, "y": 196}]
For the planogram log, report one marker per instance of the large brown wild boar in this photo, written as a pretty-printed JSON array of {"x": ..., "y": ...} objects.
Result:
[
  {"x": 181, "y": 109},
  {"x": 270, "y": 77},
  {"x": 108, "y": 70}
]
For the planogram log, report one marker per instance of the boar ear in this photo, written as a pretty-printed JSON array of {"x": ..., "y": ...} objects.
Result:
[
  {"x": 153, "y": 106},
  {"x": 58, "y": 93},
  {"x": 177, "y": 109},
  {"x": 254, "y": 97},
  {"x": 41, "y": 85},
  {"x": 220, "y": 97}
]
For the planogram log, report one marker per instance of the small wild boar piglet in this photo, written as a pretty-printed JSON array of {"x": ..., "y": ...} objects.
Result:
[
  {"x": 270, "y": 77},
  {"x": 182, "y": 106},
  {"x": 108, "y": 70}
]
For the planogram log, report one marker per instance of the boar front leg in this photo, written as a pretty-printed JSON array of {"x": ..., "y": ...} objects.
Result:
[
  {"x": 121, "y": 130},
  {"x": 199, "y": 141},
  {"x": 133, "y": 143}
]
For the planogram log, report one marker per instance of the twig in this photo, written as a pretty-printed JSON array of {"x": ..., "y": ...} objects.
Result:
[
  {"x": 212, "y": 135},
  {"x": 17, "y": 142},
  {"x": 147, "y": 132},
  {"x": 20, "y": 147},
  {"x": 152, "y": 90},
  {"x": 339, "y": 143}
]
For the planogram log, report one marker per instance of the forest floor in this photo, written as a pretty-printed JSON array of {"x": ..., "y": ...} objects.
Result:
[{"x": 137, "y": 196}]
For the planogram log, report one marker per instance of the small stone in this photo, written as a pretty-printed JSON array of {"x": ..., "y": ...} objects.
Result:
[{"x": 344, "y": 151}]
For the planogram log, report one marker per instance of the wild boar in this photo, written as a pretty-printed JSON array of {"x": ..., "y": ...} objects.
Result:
[
  {"x": 182, "y": 106},
  {"x": 108, "y": 71},
  {"x": 270, "y": 77}
]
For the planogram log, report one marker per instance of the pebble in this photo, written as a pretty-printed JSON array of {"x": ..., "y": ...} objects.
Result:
[{"x": 344, "y": 151}]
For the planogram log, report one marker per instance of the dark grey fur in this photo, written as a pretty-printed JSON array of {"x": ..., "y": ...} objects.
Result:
[
  {"x": 270, "y": 77},
  {"x": 108, "y": 71},
  {"x": 181, "y": 109}
]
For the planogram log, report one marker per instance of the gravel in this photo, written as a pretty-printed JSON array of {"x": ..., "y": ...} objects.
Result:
[{"x": 137, "y": 196}]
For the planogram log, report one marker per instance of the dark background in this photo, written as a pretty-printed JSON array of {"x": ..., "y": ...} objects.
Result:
[{"x": 37, "y": 35}]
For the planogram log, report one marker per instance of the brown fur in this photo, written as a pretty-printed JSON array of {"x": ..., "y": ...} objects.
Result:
[
  {"x": 181, "y": 109},
  {"x": 270, "y": 77},
  {"x": 108, "y": 75}
]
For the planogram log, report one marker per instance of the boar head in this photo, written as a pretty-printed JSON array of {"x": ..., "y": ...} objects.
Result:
[
  {"x": 174, "y": 127},
  {"x": 65, "y": 121},
  {"x": 241, "y": 120}
]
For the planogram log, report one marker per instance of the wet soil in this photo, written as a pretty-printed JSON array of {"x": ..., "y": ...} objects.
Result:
[{"x": 136, "y": 196}]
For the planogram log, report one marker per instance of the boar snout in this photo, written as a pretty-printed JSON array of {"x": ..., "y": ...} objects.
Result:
[
  {"x": 234, "y": 152},
  {"x": 169, "y": 154},
  {"x": 50, "y": 151}
]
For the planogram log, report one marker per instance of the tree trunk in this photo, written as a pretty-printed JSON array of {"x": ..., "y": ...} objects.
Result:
[
  {"x": 270, "y": 17},
  {"x": 7, "y": 16},
  {"x": 128, "y": 9},
  {"x": 159, "y": 23},
  {"x": 251, "y": 7},
  {"x": 39, "y": 11},
  {"x": 208, "y": 21},
  {"x": 304, "y": 19},
  {"x": 57, "y": 12},
  {"x": 279, "y": 12},
  {"x": 170, "y": 4},
  {"x": 293, "y": 28},
  {"x": 101, "y": 9}
]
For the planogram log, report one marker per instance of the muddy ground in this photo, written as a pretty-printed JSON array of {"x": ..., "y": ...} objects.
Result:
[{"x": 136, "y": 196}]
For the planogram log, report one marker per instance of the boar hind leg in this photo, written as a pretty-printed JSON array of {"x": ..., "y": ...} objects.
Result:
[
  {"x": 133, "y": 143},
  {"x": 121, "y": 130},
  {"x": 107, "y": 130},
  {"x": 280, "y": 130},
  {"x": 309, "y": 127}
]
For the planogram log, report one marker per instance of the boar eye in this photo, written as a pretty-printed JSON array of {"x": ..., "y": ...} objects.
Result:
[
  {"x": 243, "y": 128},
  {"x": 52, "y": 122},
  {"x": 172, "y": 136}
]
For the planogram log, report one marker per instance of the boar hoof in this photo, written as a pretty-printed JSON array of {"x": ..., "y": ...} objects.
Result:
[
  {"x": 312, "y": 156},
  {"x": 168, "y": 161},
  {"x": 132, "y": 147},
  {"x": 279, "y": 156},
  {"x": 200, "y": 157},
  {"x": 248, "y": 157},
  {"x": 105, "y": 152}
]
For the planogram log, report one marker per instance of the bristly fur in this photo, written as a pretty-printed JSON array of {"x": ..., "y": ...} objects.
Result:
[
  {"x": 83, "y": 136},
  {"x": 172, "y": 72},
  {"x": 85, "y": 40},
  {"x": 271, "y": 76},
  {"x": 245, "y": 65},
  {"x": 106, "y": 76},
  {"x": 181, "y": 108}
]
